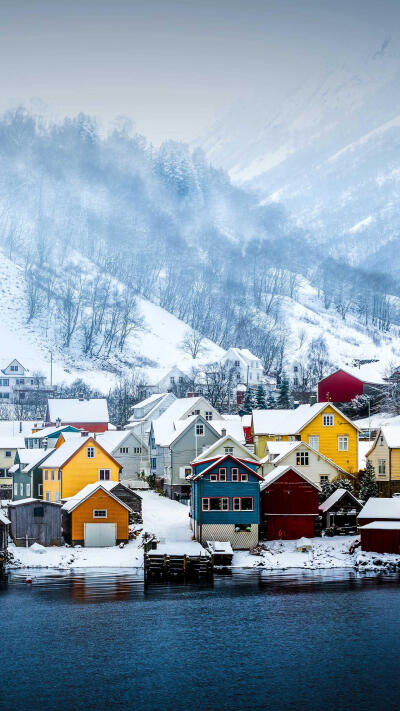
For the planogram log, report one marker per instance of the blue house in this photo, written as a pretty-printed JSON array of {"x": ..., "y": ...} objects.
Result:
[{"x": 225, "y": 500}]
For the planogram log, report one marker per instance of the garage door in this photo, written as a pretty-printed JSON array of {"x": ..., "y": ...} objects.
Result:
[{"x": 98, "y": 535}]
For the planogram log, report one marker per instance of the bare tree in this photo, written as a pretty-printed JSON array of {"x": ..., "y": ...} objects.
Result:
[{"x": 193, "y": 343}]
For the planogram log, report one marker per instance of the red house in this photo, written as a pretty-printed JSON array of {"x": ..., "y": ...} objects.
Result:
[
  {"x": 346, "y": 383},
  {"x": 289, "y": 505},
  {"x": 381, "y": 537},
  {"x": 87, "y": 414}
]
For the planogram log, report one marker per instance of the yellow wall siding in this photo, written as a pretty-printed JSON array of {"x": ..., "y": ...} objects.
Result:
[
  {"x": 328, "y": 439},
  {"x": 81, "y": 470},
  {"x": 116, "y": 513},
  {"x": 395, "y": 463},
  {"x": 380, "y": 451},
  {"x": 51, "y": 485}
]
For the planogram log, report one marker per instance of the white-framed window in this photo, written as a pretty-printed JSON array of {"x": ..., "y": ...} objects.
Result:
[
  {"x": 244, "y": 476},
  {"x": 196, "y": 412},
  {"x": 15, "y": 489},
  {"x": 90, "y": 452},
  {"x": 59, "y": 475},
  {"x": 21, "y": 489},
  {"x": 302, "y": 459},
  {"x": 222, "y": 474},
  {"x": 208, "y": 415},
  {"x": 52, "y": 475},
  {"x": 213, "y": 476},
  {"x": 99, "y": 513},
  {"x": 8, "y": 453},
  {"x": 313, "y": 441},
  {"x": 137, "y": 450},
  {"x": 28, "y": 489},
  {"x": 57, "y": 496},
  {"x": 14, "y": 368},
  {"x": 199, "y": 430},
  {"x": 243, "y": 503},
  {"x": 292, "y": 438},
  {"x": 40, "y": 489},
  {"x": 215, "y": 503},
  {"x": 343, "y": 443},
  {"x": 235, "y": 474},
  {"x": 104, "y": 474},
  {"x": 328, "y": 420},
  {"x": 323, "y": 479},
  {"x": 278, "y": 438},
  {"x": 228, "y": 450},
  {"x": 124, "y": 450},
  {"x": 48, "y": 496},
  {"x": 382, "y": 467},
  {"x": 46, "y": 474}
]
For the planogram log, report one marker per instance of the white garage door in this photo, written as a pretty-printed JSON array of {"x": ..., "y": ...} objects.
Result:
[{"x": 98, "y": 535}]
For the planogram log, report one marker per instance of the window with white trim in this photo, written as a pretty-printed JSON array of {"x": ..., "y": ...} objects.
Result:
[
  {"x": 104, "y": 474},
  {"x": 40, "y": 489},
  {"x": 343, "y": 443},
  {"x": 244, "y": 476},
  {"x": 208, "y": 415},
  {"x": 381, "y": 441},
  {"x": 7, "y": 453},
  {"x": 328, "y": 420},
  {"x": 21, "y": 489},
  {"x": 213, "y": 476},
  {"x": 222, "y": 474},
  {"x": 124, "y": 450},
  {"x": 52, "y": 475},
  {"x": 57, "y": 496},
  {"x": 313, "y": 441},
  {"x": 137, "y": 450},
  {"x": 199, "y": 430},
  {"x": 242, "y": 503},
  {"x": 382, "y": 467},
  {"x": 48, "y": 496},
  {"x": 323, "y": 479},
  {"x": 99, "y": 513},
  {"x": 46, "y": 474},
  {"x": 235, "y": 474},
  {"x": 278, "y": 438},
  {"x": 15, "y": 489},
  {"x": 302, "y": 459},
  {"x": 228, "y": 450},
  {"x": 215, "y": 503},
  {"x": 28, "y": 489},
  {"x": 90, "y": 452},
  {"x": 59, "y": 475}
]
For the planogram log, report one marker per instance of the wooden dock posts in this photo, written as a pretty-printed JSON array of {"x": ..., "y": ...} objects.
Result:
[{"x": 177, "y": 566}]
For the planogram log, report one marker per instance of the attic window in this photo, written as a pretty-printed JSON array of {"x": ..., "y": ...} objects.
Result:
[
  {"x": 228, "y": 450},
  {"x": 302, "y": 459},
  {"x": 199, "y": 430},
  {"x": 100, "y": 513},
  {"x": 208, "y": 415},
  {"x": 381, "y": 441},
  {"x": 328, "y": 420},
  {"x": 90, "y": 452}
]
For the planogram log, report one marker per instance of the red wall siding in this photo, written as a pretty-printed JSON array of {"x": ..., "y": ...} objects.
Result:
[
  {"x": 290, "y": 527},
  {"x": 302, "y": 499},
  {"x": 339, "y": 387},
  {"x": 89, "y": 426},
  {"x": 380, "y": 541}
]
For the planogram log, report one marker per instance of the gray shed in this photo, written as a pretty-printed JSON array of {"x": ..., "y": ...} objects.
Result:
[{"x": 34, "y": 520}]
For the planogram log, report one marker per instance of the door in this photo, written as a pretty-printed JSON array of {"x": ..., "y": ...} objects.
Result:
[{"x": 100, "y": 535}]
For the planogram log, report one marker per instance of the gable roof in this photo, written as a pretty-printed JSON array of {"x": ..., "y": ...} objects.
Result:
[
  {"x": 290, "y": 422},
  {"x": 149, "y": 400},
  {"x": 335, "y": 497},
  {"x": 15, "y": 442},
  {"x": 63, "y": 454},
  {"x": 280, "y": 471},
  {"x": 111, "y": 440},
  {"x": 32, "y": 458},
  {"x": 48, "y": 431},
  {"x": 89, "y": 490},
  {"x": 289, "y": 447},
  {"x": 243, "y": 355},
  {"x": 75, "y": 410},
  {"x": 369, "y": 373},
  {"x": 217, "y": 462},
  {"x": 220, "y": 442},
  {"x": 381, "y": 508},
  {"x": 233, "y": 427},
  {"x": 391, "y": 434}
]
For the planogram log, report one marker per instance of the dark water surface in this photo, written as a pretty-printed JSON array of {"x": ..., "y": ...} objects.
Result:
[{"x": 96, "y": 640}]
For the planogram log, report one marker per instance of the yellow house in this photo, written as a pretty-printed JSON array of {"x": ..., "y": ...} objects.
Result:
[
  {"x": 73, "y": 465},
  {"x": 384, "y": 454},
  {"x": 325, "y": 428}
]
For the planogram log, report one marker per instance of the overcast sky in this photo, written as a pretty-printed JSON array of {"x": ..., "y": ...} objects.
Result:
[{"x": 174, "y": 65}]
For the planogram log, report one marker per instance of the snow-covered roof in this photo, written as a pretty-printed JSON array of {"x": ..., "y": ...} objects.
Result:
[
  {"x": 335, "y": 497},
  {"x": 283, "y": 449},
  {"x": 166, "y": 427},
  {"x": 47, "y": 431},
  {"x": 135, "y": 484},
  {"x": 381, "y": 526},
  {"x": 279, "y": 471},
  {"x": 289, "y": 421},
  {"x": 32, "y": 457},
  {"x": 364, "y": 447},
  {"x": 166, "y": 432},
  {"x": 59, "y": 456},
  {"x": 391, "y": 435},
  {"x": 206, "y": 453},
  {"x": 217, "y": 461},
  {"x": 11, "y": 428},
  {"x": 16, "y": 442},
  {"x": 75, "y": 410},
  {"x": 88, "y": 490},
  {"x": 4, "y": 519},
  {"x": 377, "y": 420},
  {"x": 234, "y": 428},
  {"x": 29, "y": 500},
  {"x": 372, "y": 373},
  {"x": 220, "y": 547},
  {"x": 381, "y": 508},
  {"x": 149, "y": 400},
  {"x": 111, "y": 440},
  {"x": 243, "y": 354}
]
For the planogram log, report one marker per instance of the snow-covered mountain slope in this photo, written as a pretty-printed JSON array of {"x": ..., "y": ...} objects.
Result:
[
  {"x": 149, "y": 353},
  {"x": 328, "y": 150}
]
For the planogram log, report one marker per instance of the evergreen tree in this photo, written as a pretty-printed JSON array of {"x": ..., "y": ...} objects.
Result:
[
  {"x": 368, "y": 486},
  {"x": 330, "y": 487},
  {"x": 271, "y": 402},
  {"x": 249, "y": 403},
  {"x": 261, "y": 398},
  {"x": 283, "y": 393}
]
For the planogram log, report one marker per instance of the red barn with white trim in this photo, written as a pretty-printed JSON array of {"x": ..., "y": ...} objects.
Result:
[
  {"x": 346, "y": 383},
  {"x": 289, "y": 505}
]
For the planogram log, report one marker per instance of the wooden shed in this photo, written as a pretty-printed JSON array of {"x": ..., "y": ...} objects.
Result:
[
  {"x": 289, "y": 505},
  {"x": 379, "y": 509},
  {"x": 381, "y": 537},
  {"x": 339, "y": 513},
  {"x": 4, "y": 528},
  {"x": 34, "y": 520},
  {"x": 95, "y": 517}
]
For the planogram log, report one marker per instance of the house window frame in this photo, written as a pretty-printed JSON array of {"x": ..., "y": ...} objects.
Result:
[
  {"x": 239, "y": 499},
  {"x": 222, "y": 474},
  {"x": 104, "y": 478},
  {"x": 328, "y": 419},
  {"x": 310, "y": 444},
  {"x": 208, "y": 415},
  {"x": 7, "y": 453},
  {"x": 205, "y": 503},
  {"x": 214, "y": 477},
  {"x": 96, "y": 513},
  {"x": 228, "y": 450},
  {"x": 323, "y": 479},
  {"x": 343, "y": 440},
  {"x": 90, "y": 449},
  {"x": 382, "y": 466},
  {"x": 244, "y": 477},
  {"x": 302, "y": 455},
  {"x": 199, "y": 433},
  {"x": 235, "y": 472},
  {"x": 124, "y": 450}
]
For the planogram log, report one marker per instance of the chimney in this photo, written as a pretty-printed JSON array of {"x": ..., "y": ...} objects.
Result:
[{"x": 223, "y": 432}]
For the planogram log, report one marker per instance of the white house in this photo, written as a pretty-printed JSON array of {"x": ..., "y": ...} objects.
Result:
[
  {"x": 248, "y": 367},
  {"x": 17, "y": 383}
]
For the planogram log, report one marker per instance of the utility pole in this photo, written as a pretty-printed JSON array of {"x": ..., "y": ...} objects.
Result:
[{"x": 51, "y": 367}]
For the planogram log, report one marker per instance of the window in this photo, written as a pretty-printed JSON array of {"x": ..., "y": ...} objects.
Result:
[
  {"x": 382, "y": 466},
  {"x": 99, "y": 513},
  {"x": 38, "y": 511},
  {"x": 328, "y": 420},
  {"x": 14, "y": 368},
  {"x": 28, "y": 490},
  {"x": 237, "y": 363},
  {"x": 4, "y": 382},
  {"x": 8, "y": 453},
  {"x": 46, "y": 474},
  {"x": 180, "y": 379},
  {"x": 40, "y": 489},
  {"x": 21, "y": 489},
  {"x": 59, "y": 475},
  {"x": 292, "y": 438},
  {"x": 57, "y": 496},
  {"x": 278, "y": 438},
  {"x": 244, "y": 477},
  {"x": 137, "y": 450},
  {"x": 52, "y": 475},
  {"x": 243, "y": 527},
  {"x": 302, "y": 459},
  {"x": 222, "y": 474},
  {"x": 228, "y": 450},
  {"x": 313, "y": 441},
  {"x": 104, "y": 474},
  {"x": 172, "y": 380},
  {"x": 48, "y": 496},
  {"x": 213, "y": 477},
  {"x": 15, "y": 489},
  {"x": 343, "y": 443},
  {"x": 199, "y": 430},
  {"x": 196, "y": 412},
  {"x": 215, "y": 503},
  {"x": 381, "y": 441},
  {"x": 90, "y": 452},
  {"x": 235, "y": 474},
  {"x": 324, "y": 479},
  {"x": 244, "y": 503},
  {"x": 153, "y": 463},
  {"x": 124, "y": 450},
  {"x": 208, "y": 415},
  {"x": 295, "y": 369}
]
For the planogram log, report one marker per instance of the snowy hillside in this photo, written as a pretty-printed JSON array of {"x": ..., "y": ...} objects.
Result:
[{"x": 156, "y": 346}]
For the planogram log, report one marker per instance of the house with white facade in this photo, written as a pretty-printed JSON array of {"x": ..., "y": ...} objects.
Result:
[
  {"x": 248, "y": 368},
  {"x": 18, "y": 384}
]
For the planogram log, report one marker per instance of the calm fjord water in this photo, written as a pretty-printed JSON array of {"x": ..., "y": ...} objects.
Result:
[{"x": 92, "y": 640}]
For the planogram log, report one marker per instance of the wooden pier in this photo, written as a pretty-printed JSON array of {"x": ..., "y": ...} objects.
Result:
[{"x": 178, "y": 561}]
